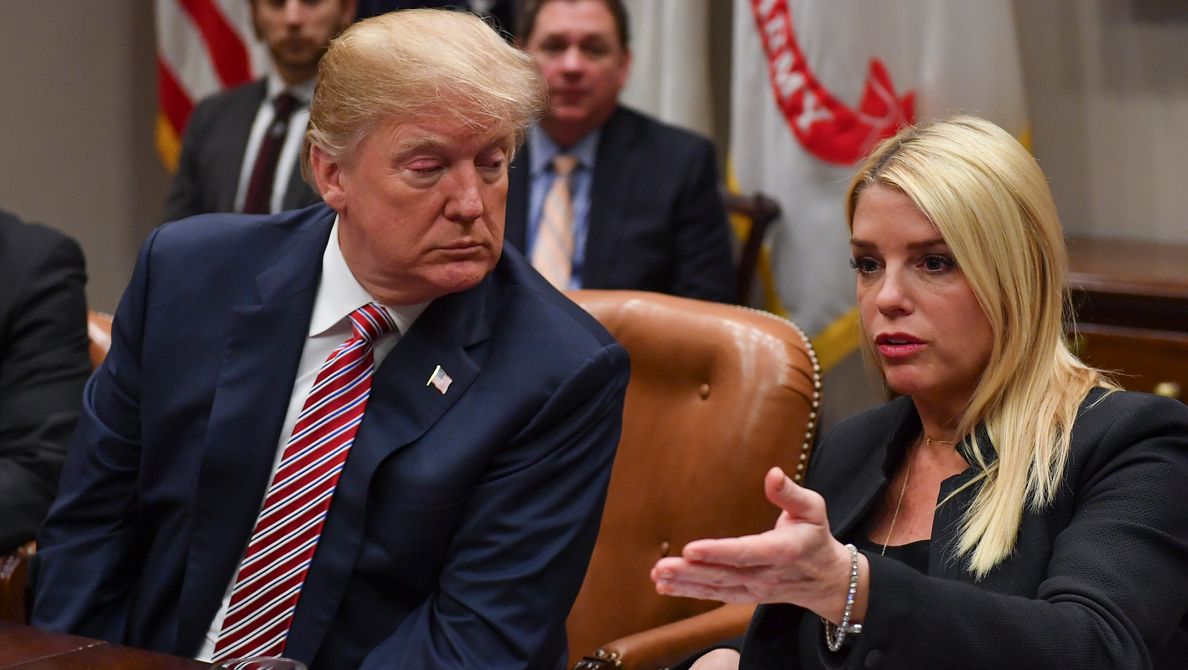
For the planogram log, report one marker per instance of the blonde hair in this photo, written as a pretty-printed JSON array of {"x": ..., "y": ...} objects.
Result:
[
  {"x": 991, "y": 203},
  {"x": 419, "y": 64}
]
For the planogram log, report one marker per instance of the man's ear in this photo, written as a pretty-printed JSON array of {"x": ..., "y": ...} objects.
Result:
[
  {"x": 625, "y": 68},
  {"x": 350, "y": 9},
  {"x": 256, "y": 21},
  {"x": 327, "y": 174}
]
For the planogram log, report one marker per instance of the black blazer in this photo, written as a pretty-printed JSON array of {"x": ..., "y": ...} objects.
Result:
[
  {"x": 43, "y": 366},
  {"x": 212, "y": 156},
  {"x": 656, "y": 222},
  {"x": 1098, "y": 580}
]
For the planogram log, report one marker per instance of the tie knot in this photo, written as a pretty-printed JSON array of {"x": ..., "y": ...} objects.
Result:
[
  {"x": 563, "y": 164},
  {"x": 371, "y": 321},
  {"x": 284, "y": 104}
]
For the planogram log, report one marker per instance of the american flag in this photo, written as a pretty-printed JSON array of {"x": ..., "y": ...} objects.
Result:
[
  {"x": 440, "y": 380},
  {"x": 203, "y": 46}
]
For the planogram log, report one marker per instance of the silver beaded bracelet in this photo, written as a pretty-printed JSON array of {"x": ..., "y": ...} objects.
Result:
[{"x": 835, "y": 635}]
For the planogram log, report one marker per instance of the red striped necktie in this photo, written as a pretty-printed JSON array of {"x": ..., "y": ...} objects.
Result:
[{"x": 282, "y": 545}]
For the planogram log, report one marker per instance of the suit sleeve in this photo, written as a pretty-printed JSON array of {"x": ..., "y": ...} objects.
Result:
[
  {"x": 86, "y": 558},
  {"x": 704, "y": 266},
  {"x": 1114, "y": 593},
  {"x": 44, "y": 367},
  {"x": 520, "y": 552},
  {"x": 185, "y": 193}
]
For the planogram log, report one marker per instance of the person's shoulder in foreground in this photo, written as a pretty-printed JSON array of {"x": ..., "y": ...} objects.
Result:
[{"x": 43, "y": 366}]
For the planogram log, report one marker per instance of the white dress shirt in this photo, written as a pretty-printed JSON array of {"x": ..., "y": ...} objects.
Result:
[{"x": 339, "y": 294}]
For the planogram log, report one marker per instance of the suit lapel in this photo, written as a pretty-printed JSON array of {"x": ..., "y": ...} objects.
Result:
[
  {"x": 518, "y": 185},
  {"x": 401, "y": 408},
  {"x": 852, "y": 496},
  {"x": 263, "y": 347},
  {"x": 614, "y": 172}
]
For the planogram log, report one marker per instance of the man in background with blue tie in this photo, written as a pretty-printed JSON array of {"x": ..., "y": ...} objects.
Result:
[
  {"x": 241, "y": 146},
  {"x": 603, "y": 196},
  {"x": 363, "y": 434}
]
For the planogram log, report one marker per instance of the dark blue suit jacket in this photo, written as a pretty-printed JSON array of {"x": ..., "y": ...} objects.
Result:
[
  {"x": 462, "y": 524},
  {"x": 656, "y": 221}
]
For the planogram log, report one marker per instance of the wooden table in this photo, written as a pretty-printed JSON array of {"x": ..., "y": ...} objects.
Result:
[
  {"x": 1131, "y": 300},
  {"x": 32, "y": 649}
]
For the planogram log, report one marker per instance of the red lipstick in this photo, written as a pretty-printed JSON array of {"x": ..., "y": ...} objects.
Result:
[{"x": 898, "y": 346}]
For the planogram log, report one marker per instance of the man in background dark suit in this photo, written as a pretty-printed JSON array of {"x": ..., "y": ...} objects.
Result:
[
  {"x": 456, "y": 531},
  {"x": 43, "y": 366},
  {"x": 224, "y": 136},
  {"x": 646, "y": 210}
]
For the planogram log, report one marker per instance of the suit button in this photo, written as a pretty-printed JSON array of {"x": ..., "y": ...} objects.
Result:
[{"x": 874, "y": 658}]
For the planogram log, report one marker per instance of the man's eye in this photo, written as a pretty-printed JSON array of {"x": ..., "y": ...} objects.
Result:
[
  {"x": 424, "y": 166},
  {"x": 595, "y": 49}
]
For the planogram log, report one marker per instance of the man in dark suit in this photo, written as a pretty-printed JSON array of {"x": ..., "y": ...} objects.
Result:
[
  {"x": 43, "y": 366},
  {"x": 452, "y": 495},
  {"x": 227, "y": 162},
  {"x": 645, "y": 212}
]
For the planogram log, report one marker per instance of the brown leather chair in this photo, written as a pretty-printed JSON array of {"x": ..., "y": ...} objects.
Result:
[
  {"x": 14, "y": 567},
  {"x": 718, "y": 395},
  {"x": 99, "y": 333}
]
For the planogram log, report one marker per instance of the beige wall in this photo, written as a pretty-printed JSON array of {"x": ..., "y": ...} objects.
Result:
[
  {"x": 1107, "y": 89},
  {"x": 1106, "y": 86},
  {"x": 78, "y": 91}
]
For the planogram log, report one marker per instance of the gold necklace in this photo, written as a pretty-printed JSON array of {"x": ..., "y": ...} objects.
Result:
[
  {"x": 906, "y": 476},
  {"x": 928, "y": 441}
]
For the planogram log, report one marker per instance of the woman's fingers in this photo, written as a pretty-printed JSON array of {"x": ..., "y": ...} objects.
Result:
[
  {"x": 781, "y": 565},
  {"x": 683, "y": 589},
  {"x": 799, "y": 503}
]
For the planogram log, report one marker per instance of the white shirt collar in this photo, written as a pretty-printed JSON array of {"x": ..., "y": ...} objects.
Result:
[
  {"x": 542, "y": 149},
  {"x": 303, "y": 91},
  {"x": 339, "y": 294}
]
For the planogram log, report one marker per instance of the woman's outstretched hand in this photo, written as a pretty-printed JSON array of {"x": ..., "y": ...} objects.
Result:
[{"x": 798, "y": 561}]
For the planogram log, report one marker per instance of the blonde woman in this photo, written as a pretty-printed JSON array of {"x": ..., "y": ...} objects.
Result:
[{"x": 1012, "y": 508}]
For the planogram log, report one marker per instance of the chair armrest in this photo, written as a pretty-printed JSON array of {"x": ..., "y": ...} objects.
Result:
[
  {"x": 671, "y": 643},
  {"x": 14, "y": 579}
]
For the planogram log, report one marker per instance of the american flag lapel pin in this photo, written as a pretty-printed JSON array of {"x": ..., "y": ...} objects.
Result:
[{"x": 439, "y": 380}]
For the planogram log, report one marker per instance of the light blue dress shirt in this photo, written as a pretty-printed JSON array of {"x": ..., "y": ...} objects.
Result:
[{"x": 541, "y": 151}]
